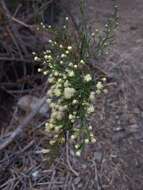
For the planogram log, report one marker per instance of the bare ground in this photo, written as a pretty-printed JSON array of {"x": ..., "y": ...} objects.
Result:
[{"x": 119, "y": 121}]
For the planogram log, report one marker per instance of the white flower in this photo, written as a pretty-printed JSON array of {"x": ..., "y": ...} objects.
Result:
[
  {"x": 62, "y": 108},
  {"x": 61, "y": 46},
  {"x": 67, "y": 18},
  {"x": 59, "y": 85},
  {"x": 59, "y": 115},
  {"x": 50, "y": 92},
  {"x": 90, "y": 127},
  {"x": 59, "y": 80},
  {"x": 46, "y": 56},
  {"x": 93, "y": 140},
  {"x": 74, "y": 101},
  {"x": 71, "y": 64},
  {"x": 49, "y": 126},
  {"x": 51, "y": 79},
  {"x": 67, "y": 52},
  {"x": 53, "y": 115},
  {"x": 91, "y": 135},
  {"x": 49, "y": 101},
  {"x": 56, "y": 136},
  {"x": 73, "y": 137},
  {"x": 75, "y": 66},
  {"x": 63, "y": 55},
  {"x": 86, "y": 141},
  {"x": 104, "y": 79},
  {"x": 57, "y": 92},
  {"x": 72, "y": 120},
  {"x": 78, "y": 153},
  {"x": 71, "y": 73},
  {"x": 77, "y": 146},
  {"x": 65, "y": 107},
  {"x": 50, "y": 41},
  {"x": 66, "y": 83},
  {"x": 87, "y": 78},
  {"x": 57, "y": 128},
  {"x": 99, "y": 86},
  {"x": 43, "y": 26},
  {"x": 52, "y": 105},
  {"x": 90, "y": 109},
  {"x": 64, "y": 76},
  {"x": 74, "y": 113},
  {"x": 52, "y": 142},
  {"x": 92, "y": 96},
  {"x": 48, "y": 51},
  {"x": 69, "y": 47},
  {"x": 71, "y": 116},
  {"x": 98, "y": 92},
  {"x": 36, "y": 58},
  {"x": 39, "y": 69},
  {"x": 56, "y": 73},
  {"x": 49, "y": 57},
  {"x": 69, "y": 92},
  {"x": 82, "y": 61},
  {"x": 93, "y": 34},
  {"x": 61, "y": 62},
  {"x": 45, "y": 72}
]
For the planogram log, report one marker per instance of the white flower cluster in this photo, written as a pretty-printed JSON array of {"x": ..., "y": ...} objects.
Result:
[
  {"x": 70, "y": 95},
  {"x": 100, "y": 86}
]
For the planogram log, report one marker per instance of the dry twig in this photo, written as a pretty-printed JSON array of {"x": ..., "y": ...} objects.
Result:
[{"x": 68, "y": 159}]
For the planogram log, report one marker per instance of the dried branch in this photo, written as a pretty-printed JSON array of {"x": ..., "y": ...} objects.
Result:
[{"x": 22, "y": 126}]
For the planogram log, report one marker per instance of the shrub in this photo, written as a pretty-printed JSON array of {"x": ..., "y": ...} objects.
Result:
[{"x": 73, "y": 85}]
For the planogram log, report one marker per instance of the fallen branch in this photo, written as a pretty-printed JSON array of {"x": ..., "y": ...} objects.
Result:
[{"x": 22, "y": 126}]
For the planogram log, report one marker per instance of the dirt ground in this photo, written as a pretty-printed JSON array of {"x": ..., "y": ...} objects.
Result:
[
  {"x": 119, "y": 130},
  {"x": 122, "y": 119},
  {"x": 115, "y": 162}
]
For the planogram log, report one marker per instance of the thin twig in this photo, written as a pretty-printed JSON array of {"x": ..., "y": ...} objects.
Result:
[
  {"x": 21, "y": 22},
  {"x": 52, "y": 180},
  {"x": 68, "y": 159},
  {"x": 96, "y": 176}
]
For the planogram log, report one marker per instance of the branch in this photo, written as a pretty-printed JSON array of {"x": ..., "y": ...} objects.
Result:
[{"x": 22, "y": 126}]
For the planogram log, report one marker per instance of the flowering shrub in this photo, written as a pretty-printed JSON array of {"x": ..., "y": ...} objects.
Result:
[
  {"x": 73, "y": 87},
  {"x": 70, "y": 96}
]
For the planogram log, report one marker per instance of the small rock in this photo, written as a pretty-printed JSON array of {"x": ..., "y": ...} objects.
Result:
[
  {"x": 118, "y": 129},
  {"x": 29, "y": 103}
]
